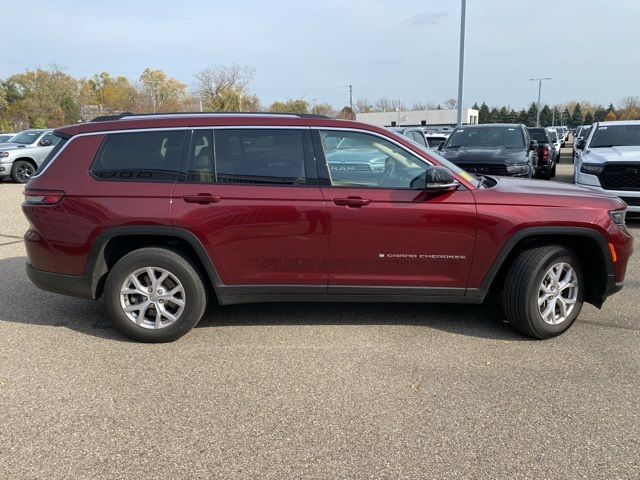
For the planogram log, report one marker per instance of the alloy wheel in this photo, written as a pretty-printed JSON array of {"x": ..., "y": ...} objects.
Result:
[{"x": 558, "y": 293}]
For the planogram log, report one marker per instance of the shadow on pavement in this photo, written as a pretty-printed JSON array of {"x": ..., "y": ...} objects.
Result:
[{"x": 21, "y": 302}]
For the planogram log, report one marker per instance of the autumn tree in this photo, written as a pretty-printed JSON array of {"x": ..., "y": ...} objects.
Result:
[
  {"x": 161, "y": 92},
  {"x": 224, "y": 89},
  {"x": 450, "y": 103},
  {"x": 290, "y": 106},
  {"x": 362, "y": 105}
]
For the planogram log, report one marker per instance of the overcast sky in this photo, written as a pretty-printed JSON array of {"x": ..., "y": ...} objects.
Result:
[{"x": 406, "y": 49}]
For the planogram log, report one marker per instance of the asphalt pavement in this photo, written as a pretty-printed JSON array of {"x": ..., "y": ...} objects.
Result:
[{"x": 278, "y": 391}]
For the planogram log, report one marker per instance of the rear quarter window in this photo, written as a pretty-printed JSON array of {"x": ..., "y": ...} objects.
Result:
[{"x": 152, "y": 156}]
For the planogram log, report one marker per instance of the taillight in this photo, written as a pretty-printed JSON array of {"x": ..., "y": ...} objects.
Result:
[
  {"x": 545, "y": 153},
  {"x": 43, "y": 197}
]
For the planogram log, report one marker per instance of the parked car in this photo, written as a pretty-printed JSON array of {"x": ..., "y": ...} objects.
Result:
[
  {"x": 435, "y": 140},
  {"x": 563, "y": 133},
  {"x": 556, "y": 143},
  {"x": 581, "y": 132},
  {"x": 609, "y": 160},
  {"x": 546, "y": 165},
  {"x": 5, "y": 137},
  {"x": 414, "y": 133},
  {"x": 158, "y": 213},
  {"x": 21, "y": 157},
  {"x": 492, "y": 149}
]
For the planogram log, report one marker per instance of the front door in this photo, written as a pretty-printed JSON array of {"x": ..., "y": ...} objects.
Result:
[
  {"x": 385, "y": 232},
  {"x": 256, "y": 208}
]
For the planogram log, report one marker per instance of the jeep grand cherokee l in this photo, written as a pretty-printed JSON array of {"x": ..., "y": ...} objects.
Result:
[
  {"x": 609, "y": 160},
  {"x": 493, "y": 149},
  {"x": 157, "y": 214}
]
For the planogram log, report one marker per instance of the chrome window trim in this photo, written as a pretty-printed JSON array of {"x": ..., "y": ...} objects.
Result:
[{"x": 227, "y": 127}]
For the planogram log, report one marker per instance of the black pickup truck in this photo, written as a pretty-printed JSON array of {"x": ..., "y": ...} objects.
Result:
[{"x": 547, "y": 155}]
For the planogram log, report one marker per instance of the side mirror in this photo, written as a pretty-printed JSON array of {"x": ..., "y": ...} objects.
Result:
[
  {"x": 440, "y": 145},
  {"x": 45, "y": 142},
  {"x": 435, "y": 179},
  {"x": 533, "y": 145},
  {"x": 579, "y": 143}
]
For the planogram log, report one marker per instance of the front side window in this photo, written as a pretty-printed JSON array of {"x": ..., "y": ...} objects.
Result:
[
  {"x": 260, "y": 156},
  {"x": 152, "y": 156},
  {"x": 607, "y": 136},
  {"x": 492, "y": 137},
  {"x": 363, "y": 160}
]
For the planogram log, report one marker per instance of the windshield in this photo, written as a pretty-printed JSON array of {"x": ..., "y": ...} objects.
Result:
[
  {"x": 472, "y": 179},
  {"x": 507, "y": 137},
  {"x": 616, "y": 136},
  {"x": 538, "y": 134},
  {"x": 27, "y": 137}
]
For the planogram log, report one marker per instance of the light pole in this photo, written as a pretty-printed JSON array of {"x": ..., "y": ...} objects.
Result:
[
  {"x": 463, "y": 11},
  {"x": 539, "y": 80}
]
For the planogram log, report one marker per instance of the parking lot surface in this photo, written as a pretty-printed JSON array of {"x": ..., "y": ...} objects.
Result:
[{"x": 313, "y": 390}]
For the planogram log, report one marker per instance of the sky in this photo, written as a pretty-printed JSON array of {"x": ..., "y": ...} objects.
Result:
[{"x": 401, "y": 49}]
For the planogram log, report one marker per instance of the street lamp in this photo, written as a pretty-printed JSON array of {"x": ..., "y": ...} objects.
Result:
[
  {"x": 463, "y": 10},
  {"x": 539, "y": 80}
]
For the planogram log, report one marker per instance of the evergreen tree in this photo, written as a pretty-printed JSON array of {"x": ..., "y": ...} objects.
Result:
[
  {"x": 545, "y": 116},
  {"x": 599, "y": 114},
  {"x": 483, "y": 113},
  {"x": 610, "y": 109},
  {"x": 566, "y": 115},
  {"x": 494, "y": 115},
  {"x": 513, "y": 116},
  {"x": 576, "y": 116},
  {"x": 475, "y": 106},
  {"x": 522, "y": 116},
  {"x": 503, "y": 115},
  {"x": 555, "y": 116},
  {"x": 588, "y": 118},
  {"x": 531, "y": 115}
]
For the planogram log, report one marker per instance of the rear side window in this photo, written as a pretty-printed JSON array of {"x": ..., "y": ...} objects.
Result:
[
  {"x": 152, "y": 156},
  {"x": 59, "y": 142},
  {"x": 257, "y": 156}
]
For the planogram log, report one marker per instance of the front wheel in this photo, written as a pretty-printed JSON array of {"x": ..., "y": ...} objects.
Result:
[
  {"x": 543, "y": 291},
  {"x": 22, "y": 171},
  {"x": 154, "y": 295}
]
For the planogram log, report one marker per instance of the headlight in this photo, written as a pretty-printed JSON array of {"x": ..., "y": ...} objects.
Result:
[
  {"x": 4, "y": 154},
  {"x": 524, "y": 168},
  {"x": 618, "y": 217},
  {"x": 591, "y": 168}
]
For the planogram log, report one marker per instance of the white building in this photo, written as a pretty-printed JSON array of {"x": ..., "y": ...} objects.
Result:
[{"x": 418, "y": 118}]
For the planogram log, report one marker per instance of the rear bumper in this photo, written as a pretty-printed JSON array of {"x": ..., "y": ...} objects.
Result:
[{"x": 74, "y": 286}]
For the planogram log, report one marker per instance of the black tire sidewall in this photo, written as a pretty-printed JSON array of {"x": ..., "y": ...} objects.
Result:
[
  {"x": 543, "y": 329},
  {"x": 14, "y": 169},
  {"x": 178, "y": 266}
]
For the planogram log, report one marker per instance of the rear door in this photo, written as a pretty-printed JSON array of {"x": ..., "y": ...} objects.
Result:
[
  {"x": 386, "y": 232},
  {"x": 251, "y": 196}
]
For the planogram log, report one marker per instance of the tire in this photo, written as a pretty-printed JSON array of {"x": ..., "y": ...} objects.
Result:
[
  {"x": 183, "y": 278},
  {"x": 523, "y": 288},
  {"x": 22, "y": 171}
]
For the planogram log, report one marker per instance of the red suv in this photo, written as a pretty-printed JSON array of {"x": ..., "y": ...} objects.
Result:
[{"x": 160, "y": 213}]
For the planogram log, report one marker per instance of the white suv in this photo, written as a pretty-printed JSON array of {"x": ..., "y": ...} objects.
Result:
[{"x": 608, "y": 159}]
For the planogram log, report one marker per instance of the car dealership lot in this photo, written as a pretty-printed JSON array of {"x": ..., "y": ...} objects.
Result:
[{"x": 313, "y": 390}]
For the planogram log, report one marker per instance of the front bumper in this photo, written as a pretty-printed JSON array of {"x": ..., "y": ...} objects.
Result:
[{"x": 630, "y": 197}]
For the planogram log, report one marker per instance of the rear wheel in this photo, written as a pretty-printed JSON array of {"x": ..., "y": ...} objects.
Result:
[
  {"x": 22, "y": 171},
  {"x": 154, "y": 295},
  {"x": 543, "y": 291}
]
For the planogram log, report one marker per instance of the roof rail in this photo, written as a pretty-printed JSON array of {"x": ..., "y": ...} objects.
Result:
[{"x": 120, "y": 116}]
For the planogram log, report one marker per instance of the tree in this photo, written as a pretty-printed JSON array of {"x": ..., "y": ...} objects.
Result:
[
  {"x": 324, "y": 109},
  {"x": 290, "y": 106},
  {"x": 475, "y": 106},
  {"x": 599, "y": 114},
  {"x": 422, "y": 106},
  {"x": 483, "y": 113},
  {"x": 161, "y": 92},
  {"x": 566, "y": 116},
  {"x": 386, "y": 104},
  {"x": 522, "y": 116},
  {"x": 610, "y": 109},
  {"x": 363, "y": 105},
  {"x": 532, "y": 113},
  {"x": 545, "y": 116},
  {"x": 494, "y": 115},
  {"x": 576, "y": 117},
  {"x": 503, "y": 116},
  {"x": 346, "y": 114},
  {"x": 588, "y": 118},
  {"x": 610, "y": 116},
  {"x": 224, "y": 89},
  {"x": 450, "y": 103}
]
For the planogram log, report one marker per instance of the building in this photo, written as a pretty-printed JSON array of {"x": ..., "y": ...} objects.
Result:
[{"x": 418, "y": 118}]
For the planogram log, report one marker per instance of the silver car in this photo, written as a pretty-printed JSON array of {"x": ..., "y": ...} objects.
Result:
[
  {"x": 5, "y": 137},
  {"x": 21, "y": 157},
  {"x": 609, "y": 159}
]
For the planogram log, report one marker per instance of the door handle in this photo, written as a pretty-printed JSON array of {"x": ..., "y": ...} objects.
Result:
[
  {"x": 202, "y": 198},
  {"x": 355, "y": 202}
]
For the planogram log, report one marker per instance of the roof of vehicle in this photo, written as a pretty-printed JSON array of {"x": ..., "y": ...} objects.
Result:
[
  {"x": 618, "y": 122},
  {"x": 187, "y": 120},
  {"x": 510, "y": 125}
]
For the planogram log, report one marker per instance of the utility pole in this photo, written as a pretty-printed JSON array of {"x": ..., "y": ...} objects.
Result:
[
  {"x": 315, "y": 100},
  {"x": 539, "y": 80},
  {"x": 463, "y": 14},
  {"x": 351, "y": 97},
  {"x": 553, "y": 116}
]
